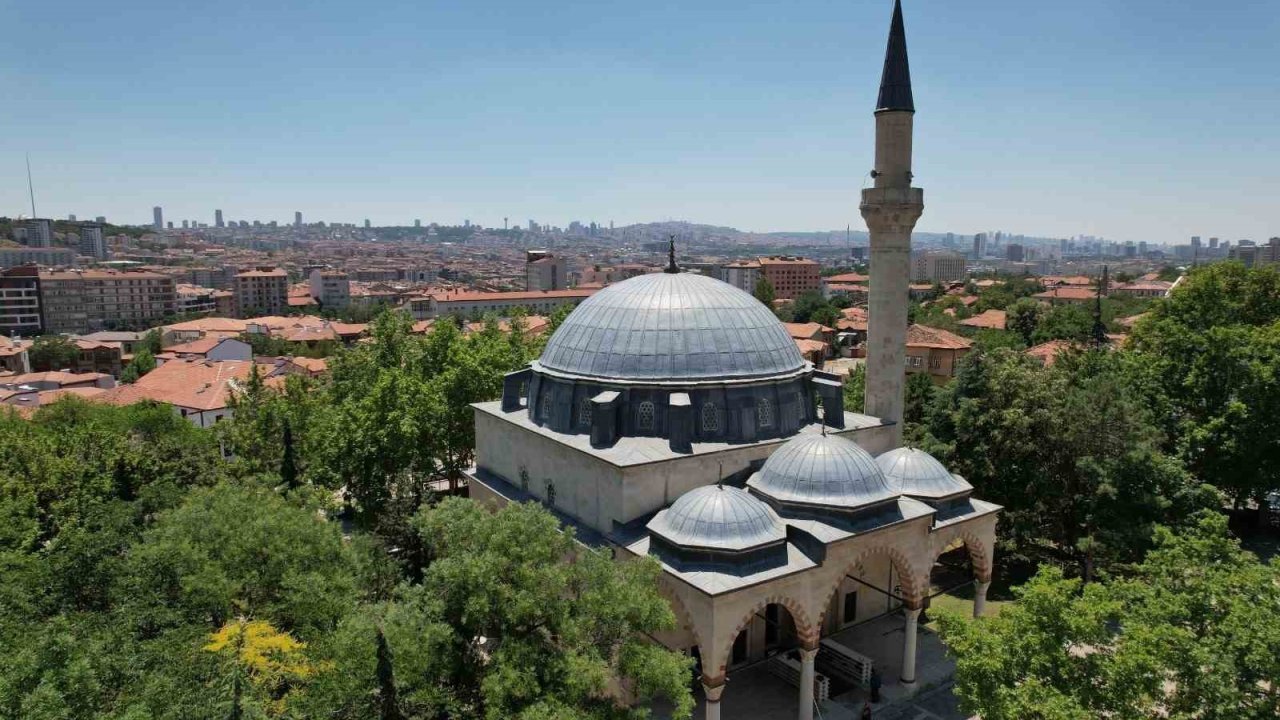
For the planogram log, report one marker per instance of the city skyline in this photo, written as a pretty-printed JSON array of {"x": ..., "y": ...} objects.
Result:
[{"x": 1115, "y": 121}]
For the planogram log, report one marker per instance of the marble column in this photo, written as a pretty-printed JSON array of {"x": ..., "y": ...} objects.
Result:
[
  {"x": 980, "y": 597},
  {"x": 712, "y": 694},
  {"x": 909, "y": 646},
  {"x": 807, "y": 658}
]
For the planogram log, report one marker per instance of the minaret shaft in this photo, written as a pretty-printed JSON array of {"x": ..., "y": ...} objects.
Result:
[{"x": 891, "y": 210}]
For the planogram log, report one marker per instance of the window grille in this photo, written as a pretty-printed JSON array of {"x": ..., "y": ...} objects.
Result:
[
  {"x": 710, "y": 418},
  {"x": 764, "y": 413},
  {"x": 646, "y": 415}
]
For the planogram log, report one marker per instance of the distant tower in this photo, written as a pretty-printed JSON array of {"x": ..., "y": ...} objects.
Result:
[
  {"x": 891, "y": 210},
  {"x": 217, "y": 219},
  {"x": 297, "y": 219},
  {"x": 157, "y": 218}
]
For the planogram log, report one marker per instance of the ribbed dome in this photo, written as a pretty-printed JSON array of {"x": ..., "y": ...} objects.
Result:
[
  {"x": 671, "y": 327},
  {"x": 718, "y": 518},
  {"x": 917, "y": 473},
  {"x": 822, "y": 470}
]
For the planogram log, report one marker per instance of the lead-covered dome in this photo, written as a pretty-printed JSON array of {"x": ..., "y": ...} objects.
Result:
[
  {"x": 715, "y": 517},
  {"x": 671, "y": 327},
  {"x": 918, "y": 474},
  {"x": 822, "y": 470}
]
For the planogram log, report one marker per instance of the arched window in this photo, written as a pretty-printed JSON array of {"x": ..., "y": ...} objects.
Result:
[
  {"x": 645, "y": 415},
  {"x": 544, "y": 408},
  {"x": 710, "y": 418},
  {"x": 800, "y": 413},
  {"x": 764, "y": 413},
  {"x": 584, "y": 412}
]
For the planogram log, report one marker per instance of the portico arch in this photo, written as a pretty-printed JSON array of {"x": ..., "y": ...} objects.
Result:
[
  {"x": 806, "y": 631},
  {"x": 912, "y": 591},
  {"x": 980, "y": 553}
]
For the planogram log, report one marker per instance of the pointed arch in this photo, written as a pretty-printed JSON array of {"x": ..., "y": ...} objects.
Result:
[
  {"x": 806, "y": 631},
  {"x": 980, "y": 552},
  {"x": 912, "y": 589}
]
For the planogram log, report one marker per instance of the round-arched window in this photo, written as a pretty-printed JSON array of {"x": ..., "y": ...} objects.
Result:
[
  {"x": 764, "y": 413},
  {"x": 584, "y": 412},
  {"x": 710, "y": 418},
  {"x": 544, "y": 407},
  {"x": 645, "y": 415}
]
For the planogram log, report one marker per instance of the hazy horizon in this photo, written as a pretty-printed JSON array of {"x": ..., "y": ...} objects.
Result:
[{"x": 1134, "y": 121}]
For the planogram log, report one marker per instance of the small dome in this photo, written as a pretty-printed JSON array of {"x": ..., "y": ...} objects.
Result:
[
  {"x": 671, "y": 327},
  {"x": 822, "y": 470},
  {"x": 718, "y": 518},
  {"x": 918, "y": 474}
]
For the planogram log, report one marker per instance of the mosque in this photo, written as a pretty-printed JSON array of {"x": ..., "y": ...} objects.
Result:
[{"x": 672, "y": 416}]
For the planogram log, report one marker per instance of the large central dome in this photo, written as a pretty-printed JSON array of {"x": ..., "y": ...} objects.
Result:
[{"x": 672, "y": 327}]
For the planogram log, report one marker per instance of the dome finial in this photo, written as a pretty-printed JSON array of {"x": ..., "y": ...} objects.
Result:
[{"x": 671, "y": 258}]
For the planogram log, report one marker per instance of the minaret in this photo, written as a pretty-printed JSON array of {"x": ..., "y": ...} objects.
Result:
[{"x": 891, "y": 210}]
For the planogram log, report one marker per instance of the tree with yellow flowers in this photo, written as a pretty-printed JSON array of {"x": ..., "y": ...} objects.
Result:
[{"x": 272, "y": 662}]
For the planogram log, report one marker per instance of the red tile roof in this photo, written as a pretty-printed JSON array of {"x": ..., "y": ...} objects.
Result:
[
  {"x": 937, "y": 338},
  {"x": 991, "y": 319}
]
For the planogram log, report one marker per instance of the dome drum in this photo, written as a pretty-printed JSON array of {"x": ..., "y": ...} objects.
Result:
[
  {"x": 821, "y": 475},
  {"x": 720, "y": 413},
  {"x": 718, "y": 526}
]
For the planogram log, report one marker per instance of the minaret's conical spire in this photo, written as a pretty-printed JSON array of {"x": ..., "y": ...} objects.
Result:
[{"x": 895, "y": 82}]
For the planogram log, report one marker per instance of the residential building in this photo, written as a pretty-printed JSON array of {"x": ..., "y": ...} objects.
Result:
[
  {"x": 1144, "y": 289},
  {"x": 45, "y": 257},
  {"x": 330, "y": 288},
  {"x": 987, "y": 320},
  {"x": 39, "y": 233},
  {"x": 217, "y": 219},
  {"x": 1068, "y": 295},
  {"x": 1013, "y": 252},
  {"x": 197, "y": 300},
  {"x": 92, "y": 242},
  {"x": 545, "y": 271},
  {"x": 261, "y": 291},
  {"x": 79, "y": 301},
  {"x": 13, "y": 356},
  {"x": 98, "y": 357},
  {"x": 20, "y": 301},
  {"x": 157, "y": 218},
  {"x": 936, "y": 352},
  {"x": 472, "y": 304},
  {"x": 743, "y": 274},
  {"x": 791, "y": 277},
  {"x": 938, "y": 267},
  {"x": 198, "y": 390},
  {"x": 212, "y": 348}
]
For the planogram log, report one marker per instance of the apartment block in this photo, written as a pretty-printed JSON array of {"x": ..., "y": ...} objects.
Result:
[
  {"x": 79, "y": 301},
  {"x": 938, "y": 267},
  {"x": 261, "y": 291},
  {"x": 20, "y": 301},
  {"x": 11, "y": 257},
  {"x": 791, "y": 277},
  {"x": 330, "y": 288}
]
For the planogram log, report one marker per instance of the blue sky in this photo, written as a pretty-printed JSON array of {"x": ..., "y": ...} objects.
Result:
[{"x": 1144, "y": 119}]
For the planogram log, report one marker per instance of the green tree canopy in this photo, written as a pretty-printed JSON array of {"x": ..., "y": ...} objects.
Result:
[{"x": 1194, "y": 634}]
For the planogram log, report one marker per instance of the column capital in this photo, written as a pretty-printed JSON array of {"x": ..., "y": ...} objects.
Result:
[
  {"x": 808, "y": 654},
  {"x": 713, "y": 692}
]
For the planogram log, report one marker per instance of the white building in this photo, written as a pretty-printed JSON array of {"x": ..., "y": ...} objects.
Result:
[
  {"x": 330, "y": 288},
  {"x": 938, "y": 267}
]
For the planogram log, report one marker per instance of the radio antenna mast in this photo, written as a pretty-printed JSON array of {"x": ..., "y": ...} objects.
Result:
[{"x": 30, "y": 187}]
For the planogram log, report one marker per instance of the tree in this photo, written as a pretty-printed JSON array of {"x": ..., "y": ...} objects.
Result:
[
  {"x": 855, "y": 388},
  {"x": 764, "y": 292},
  {"x": 153, "y": 341},
  {"x": 1210, "y": 352},
  {"x": 272, "y": 661},
  {"x": 919, "y": 392},
  {"x": 52, "y": 352},
  {"x": 1193, "y": 634},
  {"x": 1023, "y": 317},
  {"x": 1064, "y": 322},
  {"x": 1072, "y": 451},
  {"x": 513, "y": 618},
  {"x": 288, "y": 460},
  {"x": 143, "y": 363}
]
